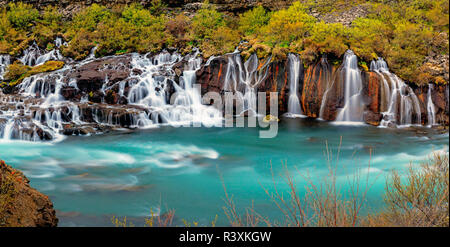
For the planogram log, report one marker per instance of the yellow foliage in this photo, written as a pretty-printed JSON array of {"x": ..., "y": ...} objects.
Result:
[{"x": 16, "y": 72}]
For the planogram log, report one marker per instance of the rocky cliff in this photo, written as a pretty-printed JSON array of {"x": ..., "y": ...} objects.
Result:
[{"x": 21, "y": 205}]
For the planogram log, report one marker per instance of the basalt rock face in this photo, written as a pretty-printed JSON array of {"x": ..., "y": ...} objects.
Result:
[
  {"x": 98, "y": 74},
  {"x": 321, "y": 90},
  {"x": 218, "y": 75},
  {"x": 318, "y": 80},
  {"x": 373, "y": 92},
  {"x": 345, "y": 17},
  {"x": 440, "y": 99},
  {"x": 23, "y": 205}
]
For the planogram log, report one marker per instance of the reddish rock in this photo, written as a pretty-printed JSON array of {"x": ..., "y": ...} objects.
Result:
[
  {"x": 373, "y": 92},
  {"x": 212, "y": 77},
  {"x": 318, "y": 79},
  {"x": 276, "y": 81},
  {"x": 24, "y": 206}
]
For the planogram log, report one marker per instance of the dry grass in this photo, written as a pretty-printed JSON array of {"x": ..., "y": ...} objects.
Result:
[
  {"x": 154, "y": 220},
  {"x": 322, "y": 205},
  {"x": 413, "y": 197},
  {"x": 418, "y": 198}
]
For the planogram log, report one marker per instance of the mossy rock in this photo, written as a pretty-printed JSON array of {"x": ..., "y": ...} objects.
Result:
[{"x": 17, "y": 71}]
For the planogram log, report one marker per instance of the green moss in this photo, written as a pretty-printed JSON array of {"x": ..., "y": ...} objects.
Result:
[{"x": 16, "y": 72}]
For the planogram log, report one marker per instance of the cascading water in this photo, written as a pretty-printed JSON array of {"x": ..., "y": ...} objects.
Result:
[
  {"x": 33, "y": 55},
  {"x": 353, "y": 105},
  {"x": 295, "y": 71},
  {"x": 150, "y": 95},
  {"x": 5, "y": 60},
  {"x": 430, "y": 107},
  {"x": 39, "y": 110},
  {"x": 152, "y": 90},
  {"x": 399, "y": 104},
  {"x": 244, "y": 79}
]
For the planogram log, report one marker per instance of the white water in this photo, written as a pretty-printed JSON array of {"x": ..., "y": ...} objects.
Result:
[
  {"x": 33, "y": 55},
  {"x": 5, "y": 60},
  {"x": 40, "y": 106},
  {"x": 353, "y": 106},
  {"x": 244, "y": 79},
  {"x": 152, "y": 91},
  {"x": 430, "y": 107},
  {"x": 295, "y": 67},
  {"x": 400, "y": 99}
]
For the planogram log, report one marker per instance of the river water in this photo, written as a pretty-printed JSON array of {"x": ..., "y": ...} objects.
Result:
[{"x": 92, "y": 178}]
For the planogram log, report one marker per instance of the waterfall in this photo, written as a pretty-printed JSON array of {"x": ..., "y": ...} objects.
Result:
[
  {"x": 353, "y": 105},
  {"x": 8, "y": 130},
  {"x": 153, "y": 95},
  {"x": 430, "y": 107},
  {"x": 295, "y": 71},
  {"x": 244, "y": 79},
  {"x": 33, "y": 55},
  {"x": 152, "y": 91},
  {"x": 402, "y": 103},
  {"x": 5, "y": 60}
]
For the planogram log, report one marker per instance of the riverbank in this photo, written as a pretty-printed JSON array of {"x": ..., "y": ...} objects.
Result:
[{"x": 20, "y": 204}]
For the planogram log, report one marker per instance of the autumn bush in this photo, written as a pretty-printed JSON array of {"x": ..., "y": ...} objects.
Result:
[
  {"x": 16, "y": 70},
  {"x": 21, "y": 15},
  {"x": 413, "y": 197},
  {"x": 417, "y": 196},
  {"x": 253, "y": 20}
]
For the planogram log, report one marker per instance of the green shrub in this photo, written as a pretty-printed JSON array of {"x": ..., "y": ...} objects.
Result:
[
  {"x": 408, "y": 49},
  {"x": 137, "y": 15},
  {"x": 15, "y": 71},
  {"x": 157, "y": 7},
  {"x": 89, "y": 17},
  {"x": 325, "y": 38},
  {"x": 224, "y": 40},
  {"x": 178, "y": 31},
  {"x": 369, "y": 38},
  {"x": 51, "y": 16},
  {"x": 206, "y": 21},
  {"x": 287, "y": 26},
  {"x": 22, "y": 15},
  {"x": 80, "y": 45},
  {"x": 252, "y": 20}
]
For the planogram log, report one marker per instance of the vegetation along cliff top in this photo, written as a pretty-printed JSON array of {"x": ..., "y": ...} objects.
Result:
[{"x": 412, "y": 36}]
